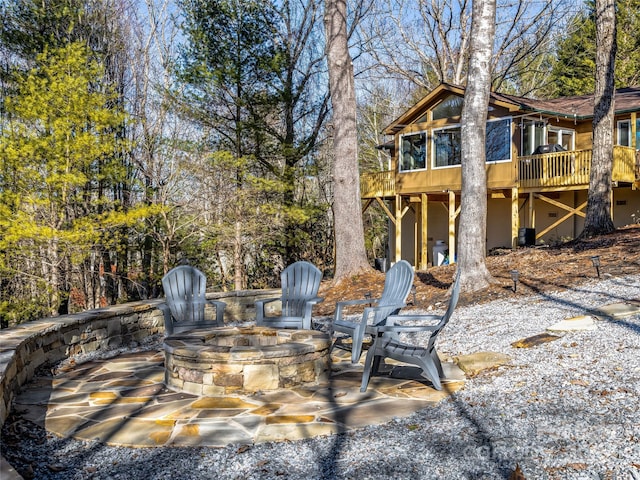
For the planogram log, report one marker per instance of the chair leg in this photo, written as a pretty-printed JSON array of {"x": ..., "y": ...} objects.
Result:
[
  {"x": 168, "y": 320},
  {"x": 333, "y": 340},
  {"x": 366, "y": 374},
  {"x": 357, "y": 340},
  {"x": 436, "y": 361},
  {"x": 429, "y": 370},
  {"x": 220, "y": 316}
]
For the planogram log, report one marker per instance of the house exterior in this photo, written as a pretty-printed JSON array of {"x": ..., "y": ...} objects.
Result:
[{"x": 538, "y": 164}]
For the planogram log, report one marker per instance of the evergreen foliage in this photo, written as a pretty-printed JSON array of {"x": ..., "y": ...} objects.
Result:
[
  {"x": 56, "y": 158},
  {"x": 247, "y": 87},
  {"x": 573, "y": 72}
]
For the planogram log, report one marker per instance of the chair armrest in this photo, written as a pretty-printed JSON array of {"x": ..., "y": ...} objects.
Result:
[
  {"x": 392, "y": 325},
  {"x": 404, "y": 328},
  {"x": 392, "y": 319},
  {"x": 217, "y": 303},
  {"x": 260, "y": 310},
  {"x": 168, "y": 323},
  {"x": 308, "y": 310},
  {"x": 315, "y": 300},
  {"x": 337, "y": 315},
  {"x": 361, "y": 301},
  {"x": 263, "y": 301},
  {"x": 390, "y": 307},
  {"x": 220, "y": 306}
]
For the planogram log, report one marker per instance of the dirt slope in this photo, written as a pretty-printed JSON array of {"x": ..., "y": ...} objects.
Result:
[{"x": 540, "y": 268}]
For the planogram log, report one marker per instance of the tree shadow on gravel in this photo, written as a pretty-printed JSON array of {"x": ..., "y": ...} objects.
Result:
[
  {"x": 495, "y": 454},
  {"x": 635, "y": 328}
]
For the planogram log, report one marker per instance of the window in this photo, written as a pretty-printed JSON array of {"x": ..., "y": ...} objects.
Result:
[
  {"x": 561, "y": 136},
  {"x": 624, "y": 133},
  {"x": 533, "y": 135},
  {"x": 498, "y": 143},
  {"x": 449, "y": 107},
  {"x": 413, "y": 152},
  {"x": 447, "y": 143},
  {"x": 446, "y": 147}
]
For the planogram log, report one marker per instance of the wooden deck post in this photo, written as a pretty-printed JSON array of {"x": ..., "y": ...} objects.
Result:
[
  {"x": 515, "y": 218},
  {"x": 452, "y": 227},
  {"x": 532, "y": 210},
  {"x": 424, "y": 227},
  {"x": 398, "y": 224}
]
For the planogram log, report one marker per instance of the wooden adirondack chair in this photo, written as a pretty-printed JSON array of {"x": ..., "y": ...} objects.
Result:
[
  {"x": 184, "y": 289},
  {"x": 300, "y": 284},
  {"x": 397, "y": 284},
  {"x": 387, "y": 344}
]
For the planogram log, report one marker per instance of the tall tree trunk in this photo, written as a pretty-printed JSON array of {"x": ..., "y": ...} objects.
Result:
[
  {"x": 473, "y": 209},
  {"x": 598, "y": 217},
  {"x": 238, "y": 265},
  {"x": 351, "y": 256}
]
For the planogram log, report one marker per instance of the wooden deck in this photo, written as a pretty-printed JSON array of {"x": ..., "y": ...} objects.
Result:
[{"x": 548, "y": 172}]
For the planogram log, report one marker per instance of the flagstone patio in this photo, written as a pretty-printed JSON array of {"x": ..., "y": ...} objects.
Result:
[{"x": 123, "y": 401}]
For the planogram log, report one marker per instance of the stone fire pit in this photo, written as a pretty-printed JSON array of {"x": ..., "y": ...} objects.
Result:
[{"x": 218, "y": 361}]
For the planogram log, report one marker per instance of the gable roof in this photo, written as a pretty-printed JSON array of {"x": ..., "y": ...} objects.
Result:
[
  {"x": 580, "y": 106},
  {"x": 577, "y": 107},
  {"x": 419, "y": 108}
]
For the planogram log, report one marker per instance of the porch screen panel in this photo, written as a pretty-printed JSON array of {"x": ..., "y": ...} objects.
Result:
[
  {"x": 413, "y": 153},
  {"x": 498, "y": 143},
  {"x": 624, "y": 133},
  {"x": 446, "y": 147}
]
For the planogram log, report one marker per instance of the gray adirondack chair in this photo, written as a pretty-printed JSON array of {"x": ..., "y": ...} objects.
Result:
[
  {"x": 184, "y": 290},
  {"x": 397, "y": 284},
  {"x": 300, "y": 283},
  {"x": 387, "y": 343}
]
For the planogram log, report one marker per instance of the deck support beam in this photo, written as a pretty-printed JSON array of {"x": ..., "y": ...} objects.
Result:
[
  {"x": 424, "y": 258},
  {"x": 453, "y": 213},
  {"x": 571, "y": 212},
  {"x": 515, "y": 217},
  {"x": 398, "y": 224},
  {"x": 532, "y": 210},
  {"x": 400, "y": 211}
]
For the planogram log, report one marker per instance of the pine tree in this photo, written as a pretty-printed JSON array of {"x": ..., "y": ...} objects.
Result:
[
  {"x": 56, "y": 153},
  {"x": 573, "y": 71}
]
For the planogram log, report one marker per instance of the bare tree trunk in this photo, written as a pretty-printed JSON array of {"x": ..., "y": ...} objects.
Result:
[
  {"x": 238, "y": 265},
  {"x": 435, "y": 39},
  {"x": 473, "y": 208},
  {"x": 598, "y": 217},
  {"x": 351, "y": 256}
]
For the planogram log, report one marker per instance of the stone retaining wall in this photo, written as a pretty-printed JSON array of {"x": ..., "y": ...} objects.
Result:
[{"x": 28, "y": 347}]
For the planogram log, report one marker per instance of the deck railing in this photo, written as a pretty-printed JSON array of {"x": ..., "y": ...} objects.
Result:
[
  {"x": 559, "y": 169},
  {"x": 378, "y": 184},
  {"x": 563, "y": 169},
  {"x": 625, "y": 164}
]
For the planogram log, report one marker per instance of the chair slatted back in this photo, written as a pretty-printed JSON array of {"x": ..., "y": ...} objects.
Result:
[
  {"x": 397, "y": 285},
  {"x": 184, "y": 289},
  {"x": 300, "y": 283},
  {"x": 453, "y": 301}
]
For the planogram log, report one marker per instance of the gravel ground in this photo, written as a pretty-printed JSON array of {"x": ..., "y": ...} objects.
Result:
[{"x": 565, "y": 409}]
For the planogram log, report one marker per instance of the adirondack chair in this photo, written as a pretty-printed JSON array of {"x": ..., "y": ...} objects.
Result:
[
  {"x": 184, "y": 289},
  {"x": 387, "y": 343},
  {"x": 300, "y": 283},
  {"x": 397, "y": 284}
]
